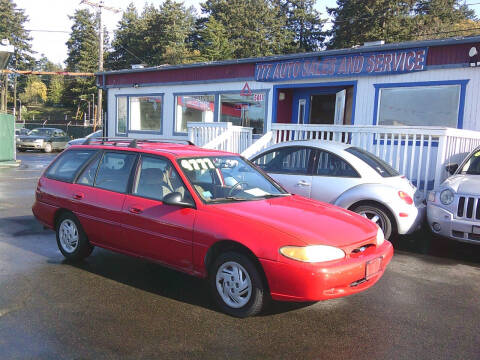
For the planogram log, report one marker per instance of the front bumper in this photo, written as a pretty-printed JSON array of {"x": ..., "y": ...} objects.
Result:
[
  {"x": 444, "y": 223},
  {"x": 296, "y": 281},
  {"x": 30, "y": 145}
]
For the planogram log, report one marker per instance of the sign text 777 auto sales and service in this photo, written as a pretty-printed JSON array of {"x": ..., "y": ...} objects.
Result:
[{"x": 374, "y": 63}]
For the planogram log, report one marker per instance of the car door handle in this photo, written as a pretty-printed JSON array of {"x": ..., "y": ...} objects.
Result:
[
  {"x": 79, "y": 196},
  {"x": 135, "y": 210},
  {"x": 303, "y": 183}
]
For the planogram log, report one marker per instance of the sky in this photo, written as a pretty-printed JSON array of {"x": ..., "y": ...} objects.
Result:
[{"x": 52, "y": 15}]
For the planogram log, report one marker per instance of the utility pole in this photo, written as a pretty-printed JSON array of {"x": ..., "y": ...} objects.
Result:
[{"x": 100, "y": 6}]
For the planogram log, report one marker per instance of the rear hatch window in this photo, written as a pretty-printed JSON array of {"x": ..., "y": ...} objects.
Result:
[{"x": 377, "y": 164}]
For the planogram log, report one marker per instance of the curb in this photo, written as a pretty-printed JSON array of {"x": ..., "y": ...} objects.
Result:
[{"x": 10, "y": 164}]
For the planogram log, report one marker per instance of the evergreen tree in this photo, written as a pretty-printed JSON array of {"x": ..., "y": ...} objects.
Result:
[
  {"x": 214, "y": 44},
  {"x": 127, "y": 41},
  {"x": 358, "y": 21},
  {"x": 441, "y": 18},
  {"x": 82, "y": 55},
  {"x": 253, "y": 27},
  {"x": 305, "y": 23},
  {"x": 12, "y": 22}
]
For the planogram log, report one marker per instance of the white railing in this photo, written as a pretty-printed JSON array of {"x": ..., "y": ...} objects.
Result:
[
  {"x": 419, "y": 153},
  {"x": 220, "y": 136}
]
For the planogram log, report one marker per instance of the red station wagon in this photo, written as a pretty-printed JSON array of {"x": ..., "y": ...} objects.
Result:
[{"x": 210, "y": 214}]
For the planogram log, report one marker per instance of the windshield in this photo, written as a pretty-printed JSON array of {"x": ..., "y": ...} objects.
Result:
[
  {"x": 377, "y": 164},
  {"x": 41, "y": 132},
  {"x": 472, "y": 166},
  {"x": 227, "y": 179}
]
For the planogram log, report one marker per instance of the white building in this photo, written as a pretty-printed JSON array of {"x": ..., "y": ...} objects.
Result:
[{"x": 411, "y": 103}]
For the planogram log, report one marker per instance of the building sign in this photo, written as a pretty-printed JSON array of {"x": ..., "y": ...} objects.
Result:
[{"x": 374, "y": 63}]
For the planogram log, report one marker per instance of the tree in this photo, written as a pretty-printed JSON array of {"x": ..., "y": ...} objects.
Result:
[
  {"x": 12, "y": 21},
  {"x": 127, "y": 41},
  {"x": 82, "y": 55},
  {"x": 441, "y": 18},
  {"x": 35, "y": 91},
  {"x": 213, "y": 41},
  {"x": 358, "y": 21},
  {"x": 157, "y": 36},
  {"x": 304, "y": 23},
  {"x": 253, "y": 27}
]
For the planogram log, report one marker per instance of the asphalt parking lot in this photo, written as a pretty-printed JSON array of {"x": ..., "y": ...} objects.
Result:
[{"x": 427, "y": 305}]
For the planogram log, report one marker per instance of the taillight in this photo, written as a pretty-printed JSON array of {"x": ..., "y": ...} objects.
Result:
[{"x": 405, "y": 197}]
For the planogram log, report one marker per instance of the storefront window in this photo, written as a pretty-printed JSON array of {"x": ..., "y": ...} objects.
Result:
[
  {"x": 121, "y": 115},
  {"x": 244, "y": 110},
  {"x": 193, "y": 108},
  {"x": 145, "y": 113},
  {"x": 419, "y": 106}
]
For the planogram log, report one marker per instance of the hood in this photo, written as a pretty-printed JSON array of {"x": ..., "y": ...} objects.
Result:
[
  {"x": 76, "y": 141},
  {"x": 33, "y": 137},
  {"x": 463, "y": 184},
  {"x": 310, "y": 221}
]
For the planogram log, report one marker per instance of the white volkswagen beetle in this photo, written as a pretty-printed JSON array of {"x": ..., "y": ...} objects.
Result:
[
  {"x": 454, "y": 208},
  {"x": 346, "y": 176}
]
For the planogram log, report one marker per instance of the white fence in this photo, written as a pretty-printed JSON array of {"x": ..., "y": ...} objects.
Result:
[
  {"x": 220, "y": 136},
  {"x": 419, "y": 153}
]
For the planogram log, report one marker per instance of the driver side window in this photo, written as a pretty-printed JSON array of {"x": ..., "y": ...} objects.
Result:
[
  {"x": 288, "y": 160},
  {"x": 156, "y": 178}
]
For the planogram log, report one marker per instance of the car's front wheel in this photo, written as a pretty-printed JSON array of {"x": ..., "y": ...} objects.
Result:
[
  {"x": 378, "y": 215},
  {"x": 236, "y": 285},
  {"x": 48, "y": 148},
  {"x": 71, "y": 238}
]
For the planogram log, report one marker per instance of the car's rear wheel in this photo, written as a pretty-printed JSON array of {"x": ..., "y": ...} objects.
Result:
[
  {"x": 48, "y": 148},
  {"x": 236, "y": 285},
  {"x": 71, "y": 238},
  {"x": 378, "y": 215}
]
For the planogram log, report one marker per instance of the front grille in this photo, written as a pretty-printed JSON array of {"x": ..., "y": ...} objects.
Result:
[{"x": 468, "y": 208}]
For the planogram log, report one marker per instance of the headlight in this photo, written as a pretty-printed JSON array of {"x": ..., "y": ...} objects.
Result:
[
  {"x": 446, "y": 197},
  {"x": 380, "y": 237},
  {"x": 431, "y": 196},
  {"x": 314, "y": 253}
]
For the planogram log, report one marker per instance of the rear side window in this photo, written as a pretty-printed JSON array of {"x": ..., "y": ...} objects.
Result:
[
  {"x": 380, "y": 166},
  {"x": 288, "y": 160},
  {"x": 66, "y": 165},
  {"x": 114, "y": 171},
  {"x": 332, "y": 165}
]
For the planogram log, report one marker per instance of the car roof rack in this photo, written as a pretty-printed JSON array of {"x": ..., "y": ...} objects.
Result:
[{"x": 131, "y": 143}]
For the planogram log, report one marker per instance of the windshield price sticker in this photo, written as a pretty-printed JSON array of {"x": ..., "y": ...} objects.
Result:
[
  {"x": 477, "y": 154},
  {"x": 197, "y": 164}
]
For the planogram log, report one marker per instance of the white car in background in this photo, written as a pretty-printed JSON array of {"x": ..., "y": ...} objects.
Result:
[
  {"x": 80, "y": 141},
  {"x": 453, "y": 210},
  {"x": 349, "y": 177}
]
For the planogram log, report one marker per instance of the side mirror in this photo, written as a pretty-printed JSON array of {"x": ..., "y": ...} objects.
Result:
[
  {"x": 451, "y": 168},
  {"x": 175, "y": 198}
]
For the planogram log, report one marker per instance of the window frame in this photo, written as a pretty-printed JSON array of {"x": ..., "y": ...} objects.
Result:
[
  {"x": 311, "y": 161},
  {"x": 102, "y": 153},
  {"x": 77, "y": 172},
  {"x": 128, "y": 131},
  {"x": 461, "y": 105},
  {"x": 266, "y": 92},
  {"x": 216, "y": 108},
  {"x": 136, "y": 173}
]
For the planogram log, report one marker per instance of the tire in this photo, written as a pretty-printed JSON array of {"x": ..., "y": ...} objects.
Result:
[
  {"x": 378, "y": 215},
  {"x": 20, "y": 150},
  {"x": 71, "y": 238},
  {"x": 48, "y": 148},
  {"x": 242, "y": 274}
]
